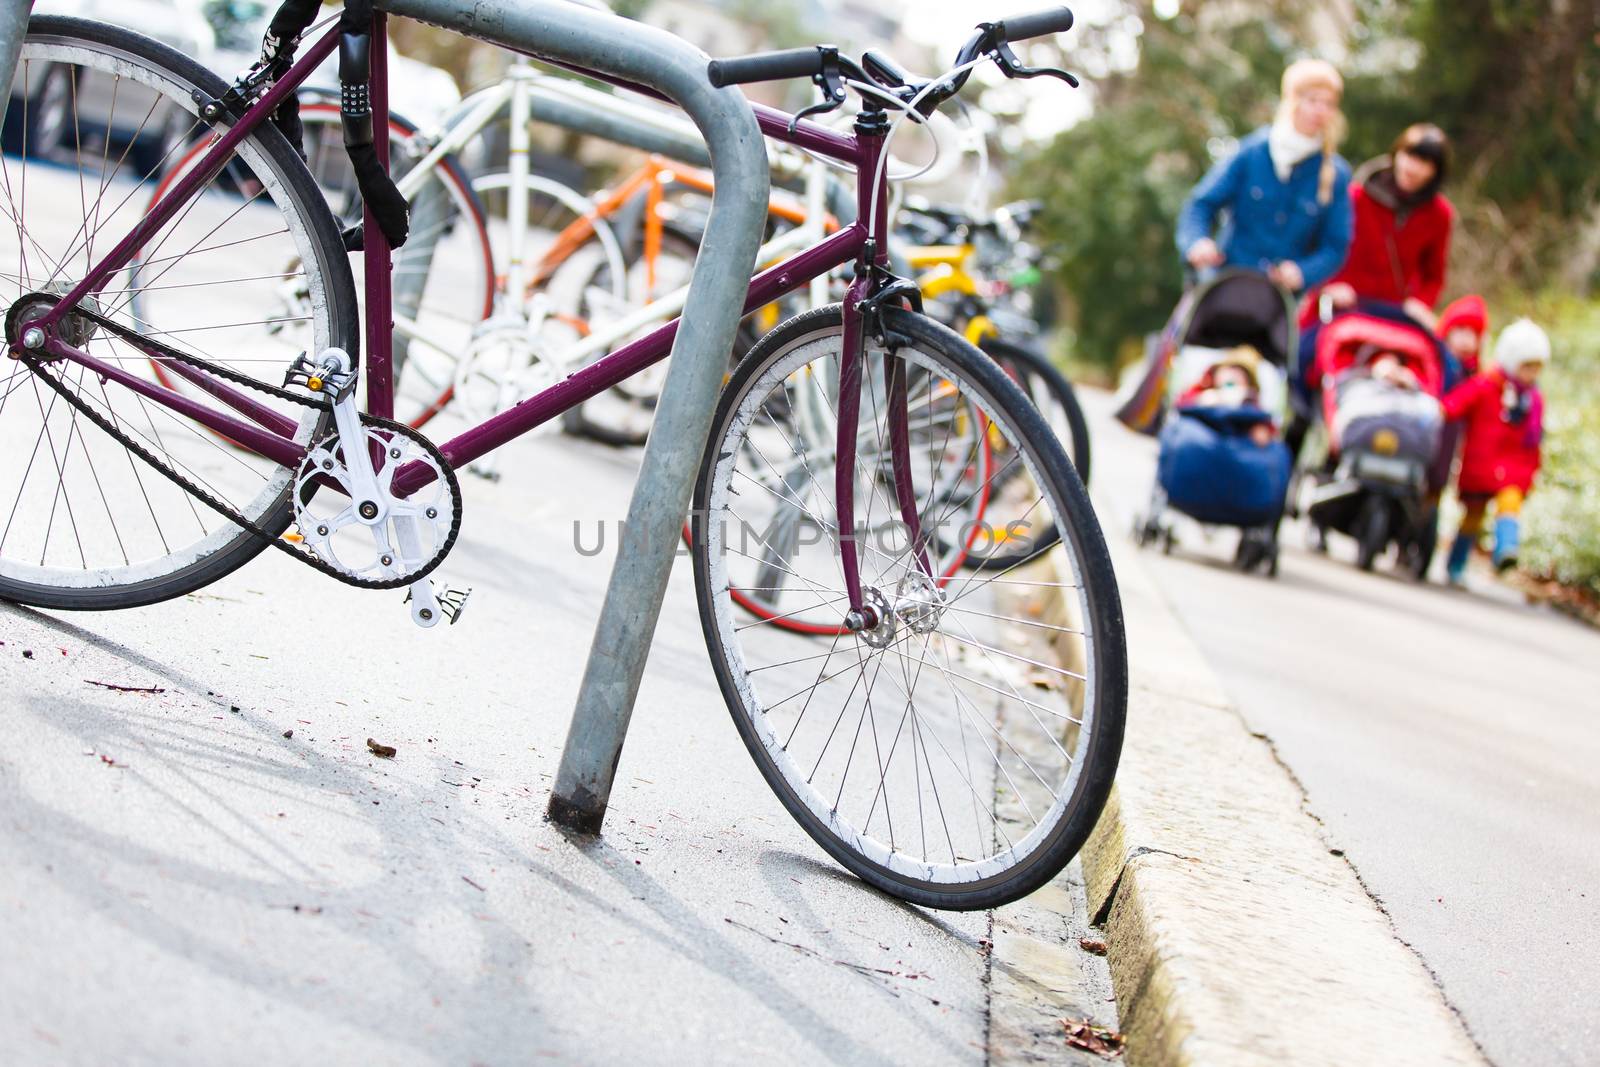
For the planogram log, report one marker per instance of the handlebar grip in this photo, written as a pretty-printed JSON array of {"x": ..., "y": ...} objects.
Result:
[
  {"x": 1021, "y": 27},
  {"x": 765, "y": 67}
]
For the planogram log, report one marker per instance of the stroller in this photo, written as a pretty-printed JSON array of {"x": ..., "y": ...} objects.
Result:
[
  {"x": 1222, "y": 462},
  {"x": 1381, "y": 375}
]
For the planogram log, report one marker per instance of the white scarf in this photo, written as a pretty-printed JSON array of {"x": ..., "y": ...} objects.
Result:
[{"x": 1288, "y": 147}]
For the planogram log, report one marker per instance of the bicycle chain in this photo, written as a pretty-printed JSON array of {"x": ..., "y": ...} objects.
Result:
[{"x": 311, "y": 559}]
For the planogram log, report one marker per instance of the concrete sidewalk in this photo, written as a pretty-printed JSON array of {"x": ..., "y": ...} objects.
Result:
[
  {"x": 183, "y": 881},
  {"x": 1238, "y": 935}
]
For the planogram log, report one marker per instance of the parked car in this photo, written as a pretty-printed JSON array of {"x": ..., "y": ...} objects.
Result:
[
  {"x": 224, "y": 35},
  {"x": 119, "y": 112}
]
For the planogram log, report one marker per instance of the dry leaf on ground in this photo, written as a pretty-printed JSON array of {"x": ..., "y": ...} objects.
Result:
[{"x": 1082, "y": 1034}]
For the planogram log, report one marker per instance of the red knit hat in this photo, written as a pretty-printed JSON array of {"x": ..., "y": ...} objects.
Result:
[{"x": 1469, "y": 312}]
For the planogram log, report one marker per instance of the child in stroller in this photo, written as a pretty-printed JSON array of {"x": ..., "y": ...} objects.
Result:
[
  {"x": 1380, "y": 380},
  {"x": 1231, "y": 382},
  {"x": 1222, "y": 359},
  {"x": 1221, "y": 461}
]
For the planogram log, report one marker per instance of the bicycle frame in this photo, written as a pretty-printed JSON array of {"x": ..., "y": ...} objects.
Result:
[
  {"x": 269, "y": 433},
  {"x": 513, "y": 96}
]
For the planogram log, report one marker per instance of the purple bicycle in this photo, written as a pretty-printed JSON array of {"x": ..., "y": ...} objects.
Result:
[{"x": 947, "y": 733}]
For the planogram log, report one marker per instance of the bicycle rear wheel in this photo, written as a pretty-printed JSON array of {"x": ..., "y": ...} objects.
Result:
[
  {"x": 958, "y": 753},
  {"x": 1052, "y": 394},
  {"x": 85, "y": 523}
]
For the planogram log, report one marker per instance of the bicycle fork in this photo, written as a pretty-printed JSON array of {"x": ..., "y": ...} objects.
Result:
[{"x": 867, "y": 606}]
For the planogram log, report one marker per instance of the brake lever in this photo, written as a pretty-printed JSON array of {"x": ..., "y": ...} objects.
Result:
[
  {"x": 1012, "y": 67},
  {"x": 830, "y": 79}
]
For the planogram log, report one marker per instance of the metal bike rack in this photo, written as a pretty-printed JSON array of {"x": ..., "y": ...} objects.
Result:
[
  {"x": 574, "y": 107},
  {"x": 13, "y": 27},
  {"x": 656, "y": 59}
]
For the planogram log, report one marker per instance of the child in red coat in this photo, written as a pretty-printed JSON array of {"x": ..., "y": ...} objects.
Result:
[
  {"x": 1504, "y": 415},
  {"x": 1462, "y": 325}
]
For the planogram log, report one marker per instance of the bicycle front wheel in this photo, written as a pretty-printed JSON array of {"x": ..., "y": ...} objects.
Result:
[
  {"x": 248, "y": 272},
  {"x": 957, "y": 753}
]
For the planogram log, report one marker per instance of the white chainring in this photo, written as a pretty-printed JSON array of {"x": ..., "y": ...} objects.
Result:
[{"x": 414, "y": 529}]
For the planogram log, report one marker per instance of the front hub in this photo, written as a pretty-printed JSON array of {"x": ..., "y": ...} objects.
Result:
[{"x": 881, "y": 633}]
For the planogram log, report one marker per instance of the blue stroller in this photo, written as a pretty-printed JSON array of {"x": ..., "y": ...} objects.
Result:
[{"x": 1214, "y": 392}]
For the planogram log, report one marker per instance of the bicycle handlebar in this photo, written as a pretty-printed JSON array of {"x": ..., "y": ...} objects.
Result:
[
  {"x": 991, "y": 38},
  {"x": 1022, "y": 27},
  {"x": 765, "y": 67}
]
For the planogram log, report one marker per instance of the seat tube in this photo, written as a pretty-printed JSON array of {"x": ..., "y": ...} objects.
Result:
[{"x": 377, "y": 256}]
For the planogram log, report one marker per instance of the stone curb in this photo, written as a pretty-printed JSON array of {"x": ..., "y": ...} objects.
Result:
[{"x": 1236, "y": 936}]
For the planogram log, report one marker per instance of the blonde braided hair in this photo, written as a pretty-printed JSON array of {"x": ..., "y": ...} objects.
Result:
[{"x": 1300, "y": 77}]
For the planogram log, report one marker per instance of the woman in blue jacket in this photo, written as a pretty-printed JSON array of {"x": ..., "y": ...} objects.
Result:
[{"x": 1285, "y": 192}]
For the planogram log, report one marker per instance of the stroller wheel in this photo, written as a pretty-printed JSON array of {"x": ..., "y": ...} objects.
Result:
[
  {"x": 1423, "y": 546},
  {"x": 1248, "y": 553},
  {"x": 1317, "y": 539},
  {"x": 1258, "y": 551},
  {"x": 1372, "y": 532}
]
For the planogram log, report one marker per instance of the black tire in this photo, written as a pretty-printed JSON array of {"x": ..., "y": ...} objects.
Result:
[
  {"x": 1420, "y": 550},
  {"x": 1372, "y": 531},
  {"x": 333, "y": 269},
  {"x": 1248, "y": 555},
  {"x": 1035, "y": 373},
  {"x": 1048, "y": 390},
  {"x": 1099, "y": 754}
]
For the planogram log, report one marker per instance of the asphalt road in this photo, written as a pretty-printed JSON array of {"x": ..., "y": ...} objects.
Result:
[{"x": 1448, "y": 741}]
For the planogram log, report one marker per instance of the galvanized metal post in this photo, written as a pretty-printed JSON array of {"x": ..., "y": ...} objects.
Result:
[
  {"x": 574, "y": 107},
  {"x": 13, "y": 27},
  {"x": 657, "y": 59}
]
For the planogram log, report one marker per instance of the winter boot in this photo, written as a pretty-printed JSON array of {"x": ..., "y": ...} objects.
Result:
[
  {"x": 1507, "y": 535},
  {"x": 1455, "y": 566}
]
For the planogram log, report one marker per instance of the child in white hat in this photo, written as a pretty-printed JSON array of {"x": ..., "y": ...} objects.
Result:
[{"x": 1503, "y": 411}]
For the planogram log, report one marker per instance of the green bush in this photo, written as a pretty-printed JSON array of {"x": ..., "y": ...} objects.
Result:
[{"x": 1563, "y": 515}]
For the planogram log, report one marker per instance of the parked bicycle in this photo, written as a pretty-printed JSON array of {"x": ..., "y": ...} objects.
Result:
[{"x": 915, "y": 739}]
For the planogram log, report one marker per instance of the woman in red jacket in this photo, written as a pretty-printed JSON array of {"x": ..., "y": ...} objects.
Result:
[
  {"x": 1504, "y": 415},
  {"x": 1402, "y": 228}
]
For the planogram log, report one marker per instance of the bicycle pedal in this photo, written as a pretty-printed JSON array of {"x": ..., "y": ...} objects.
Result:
[
  {"x": 329, "y": 375},
  {"x": 428, "y": 607}
]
